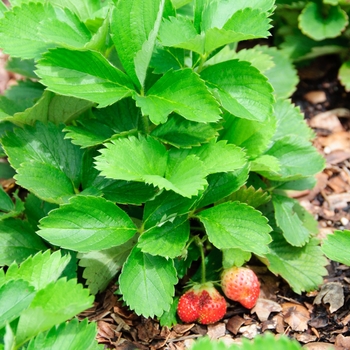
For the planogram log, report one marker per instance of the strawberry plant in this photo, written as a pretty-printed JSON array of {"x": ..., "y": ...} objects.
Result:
[{"x": 142, "y": 139}]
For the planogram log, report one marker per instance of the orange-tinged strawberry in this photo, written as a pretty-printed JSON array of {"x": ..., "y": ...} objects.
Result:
[
  {"x": 241, "y": 284},
  {"x": 202, "y": 303}
]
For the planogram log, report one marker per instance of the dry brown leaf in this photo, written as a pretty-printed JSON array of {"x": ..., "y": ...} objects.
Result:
[
  {"x": 331, "y": 293},
  {"x": 234, "y": 324},
  {"x": 318, "y": 346},
  {"x": 216, "y": 330},
  {"x": 342, "y": 343},
  {"x": 316, "y": 97},
  {"x": 264, "y": 307},
  {"x": 296, "y": 316}
]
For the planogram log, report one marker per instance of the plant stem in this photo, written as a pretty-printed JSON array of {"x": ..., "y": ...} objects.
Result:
[{"x": 199, "y": 243}]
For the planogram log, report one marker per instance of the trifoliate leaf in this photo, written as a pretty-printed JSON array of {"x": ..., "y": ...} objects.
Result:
[
  {"x": 167, "y": 239},
  {"x": 336, "y": 246},
  {"x": 253, "y": 136},
  {"x": 182, "y": 92},
  {"x": 18, "y": 241},
  {"x": 282, "y": 76},
  {"x": 73, "y": 335},
  {"x": 49, "y": 307},
  {"x": 228, "y": 82},
  {"x": 39, "y": 270},
  {"x": 288, "y": 220},
  {"x": 180, "y": 32},
  {"x": 93, "y": 224},
  {"x": 134, "y": 27},
  {"x": 15, "y": 297},
  {"x": 314, "y": 23},
  {"x": 102, "y": 265},
  {"x": 302, "y": 267},
  {"x": 290, "y": 121},
  {"x": 147, "y": 283},
  {"x": 183, "y": 133},
  {"x": 91, "y": 76},
  {"x": 298, "y": 159},
  {"x": 236, "y": 225}
]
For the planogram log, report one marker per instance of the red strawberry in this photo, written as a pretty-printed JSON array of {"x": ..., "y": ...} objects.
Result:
[
  {"x": 202, "y": 303},
  {"x": 241, "y": 284}
]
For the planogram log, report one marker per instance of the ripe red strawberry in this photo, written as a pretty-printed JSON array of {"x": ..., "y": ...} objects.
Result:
[
  {"x": 241, "y": 284},
  {"x": 202, "y": 303}
]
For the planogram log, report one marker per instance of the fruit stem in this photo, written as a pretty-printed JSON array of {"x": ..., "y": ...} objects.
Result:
[{"x": 199, "y": 243}]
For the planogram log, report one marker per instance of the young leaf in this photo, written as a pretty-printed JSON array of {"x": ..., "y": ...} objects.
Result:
[
  {"x": 49, "y": 307},
  {"x": 183, "y": 133},
  {"x": 15, "y": 296},
  {"x": 288, "y": 220},
  {"x": 298, "y": 159},
  {"x": 251, "y": 196},
  {"x": 248, "y": 99},
  {"x": 87, "y": 223},
  {"x": 19, "y": 30},
  {"x": 182, "y": 92},
  {"x": 91, "y": 76},
  {"x": 236, "y": 225},
  {"x": 101, "y": 266},
  {"x": 73, "y": 335},
  {"x": 134, "y": 27},
  {"x": 301, "y": 267},
  {"x": 39, "y": 270},
  {"x": 234, "y": 257},
  {"x": 336, "y": 246},
  {"x": 167, "y": 239},
  {"x": 314, "y": 23},
  {"x": 147, "y": 283},
  {"x": 18, "y": 241}
]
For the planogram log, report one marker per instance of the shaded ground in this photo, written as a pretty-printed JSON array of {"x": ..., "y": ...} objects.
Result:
[{"x": 317, "y": 320}]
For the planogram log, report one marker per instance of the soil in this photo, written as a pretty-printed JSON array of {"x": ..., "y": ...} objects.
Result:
[
  {"x": 313, "y": 319},
  {"x": 318, "y": 320}
]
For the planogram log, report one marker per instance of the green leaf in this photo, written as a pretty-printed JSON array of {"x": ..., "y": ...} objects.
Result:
[
  {"x": 282, "y": 76},
  {"x": 236, "y": 225},
  {"x": 19, "y": 30},
  {"x": 336, "y": 246},
  {"x": 134, "y": 27},
  {"x": 298, "y": 159},
  {"x": 151, "y": 163},
  {"x": 253, "y": 136},
  {"x": 39, "y": 270},
  {"x": 344, "y": 75},
  {"x": 245, "y": 24},
  {"x": 165, "y": 207},
  {"x": 265, "y": 163},
  {"x": 180, "y": 32},
  {"x": 6, "y": 203},
  {"x": 213, "y": 154},
  {"x": 290, "y": 121},
  {"x": 288, "y": 220},
  {"x": 182, "y": 92},
  {"x": 46, "y": 164},
  {"x": 91, "y": 76},
  {"x": 184, "y": 133},
  {"x": 49, "y": 307},
  {"x": 73, "y": 335},
  {"x": 169, "y": 318},
  {"x": 18, "y": 241},
  {"x": 118, "y": 118},
  {"x": 234, "y": 257},
  {"x": 220, "y": 185},
  {"x": 251, "y": 196},
  {"x": 94, "y": 224},
  {"x": 228, "y": 81},
  {"x": 166, "y": 239},
  {"x": 23, "y": 67},
  {"x": 15, "y": 297},
  {"x": 101, "y": 266},
  {"x": 301, "y": 267},
  {"x": 147, "y": 283},
  {"x": 165, "y": 59},
  {"x": 318, "y": 25}
]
